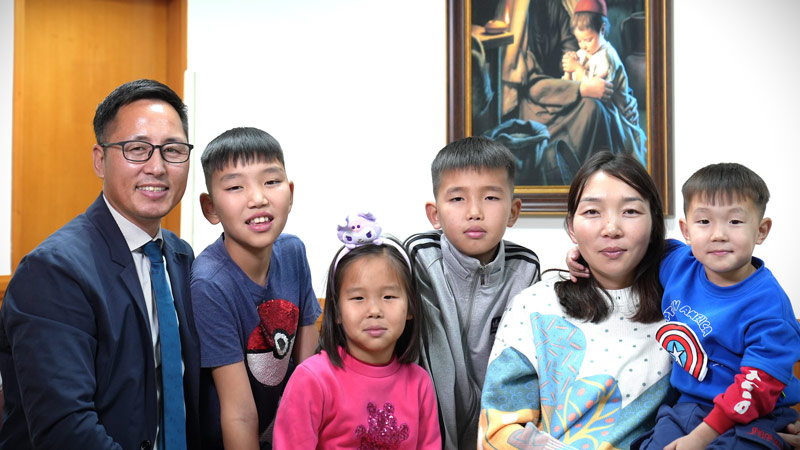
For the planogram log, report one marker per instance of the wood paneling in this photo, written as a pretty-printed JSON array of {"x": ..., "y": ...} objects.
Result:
[
  {"x": 68, "y": 55},
  {"x": 319, "y": 319},
  {"x": 4, "y": 279}
]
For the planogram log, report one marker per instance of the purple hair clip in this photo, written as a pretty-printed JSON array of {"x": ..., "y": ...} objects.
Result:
[
  {"x": 359, "y": 229},
  {"x": 362, "y": 229}
]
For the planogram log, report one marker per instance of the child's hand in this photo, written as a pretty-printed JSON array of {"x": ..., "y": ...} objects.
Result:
[
  {"x": 791, "y": 434},
  {"x": 576, "y": 269},
  {"x": 698, "y": 439},
  {"x": 570, "y": 62}
]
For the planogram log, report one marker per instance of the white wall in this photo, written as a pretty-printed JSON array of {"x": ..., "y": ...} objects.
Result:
[
  {"x": 355, "y": 92},
  {"x": 749, "y": 113},
  {"x": 6, "y": 107}
]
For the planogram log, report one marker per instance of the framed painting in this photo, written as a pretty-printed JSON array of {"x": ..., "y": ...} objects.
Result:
[{"x": 518, "y": 74}]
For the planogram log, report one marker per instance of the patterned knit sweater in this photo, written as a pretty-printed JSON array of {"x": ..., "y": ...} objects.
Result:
[{"x": 592, "y": 386}]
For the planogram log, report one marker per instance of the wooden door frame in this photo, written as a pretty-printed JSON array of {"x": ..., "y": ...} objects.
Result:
[{"x": 176, "y": 67}]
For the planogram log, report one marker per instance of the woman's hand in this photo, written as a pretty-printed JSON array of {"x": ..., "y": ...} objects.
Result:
[{"x": 576, "y": 269}]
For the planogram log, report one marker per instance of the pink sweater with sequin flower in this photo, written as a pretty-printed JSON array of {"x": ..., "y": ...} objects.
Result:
[{"x": 358, "y": 406}]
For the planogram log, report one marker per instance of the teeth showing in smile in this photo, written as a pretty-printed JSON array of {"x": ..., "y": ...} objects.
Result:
[
  {"x": 260, "y": 220},
  {"x": 152, "y": 188}
]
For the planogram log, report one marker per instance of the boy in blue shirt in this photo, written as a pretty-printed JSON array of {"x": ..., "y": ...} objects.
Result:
[
  {"x": 253, "y": 302},
  {"x": 730, "y": 326}
]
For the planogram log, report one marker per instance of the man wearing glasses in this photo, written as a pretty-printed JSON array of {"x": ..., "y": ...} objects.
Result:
[{"x": 98, "y": 348}]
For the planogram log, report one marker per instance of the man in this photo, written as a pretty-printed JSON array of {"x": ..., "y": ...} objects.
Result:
[{"x": 85, "y": 338}]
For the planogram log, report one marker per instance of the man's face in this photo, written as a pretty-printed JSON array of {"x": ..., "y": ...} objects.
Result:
[
  {"x": 143, "y": 192},
  {"x": 473, "y": 209}
]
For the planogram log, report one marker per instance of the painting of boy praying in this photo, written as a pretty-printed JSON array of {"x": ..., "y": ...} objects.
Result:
[{"x": 558, "y": 80}]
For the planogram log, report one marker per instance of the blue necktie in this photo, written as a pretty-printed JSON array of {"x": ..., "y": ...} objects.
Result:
[{"x": 173, "y": 421}]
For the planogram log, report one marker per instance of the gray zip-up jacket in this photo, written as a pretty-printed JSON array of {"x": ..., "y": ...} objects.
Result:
[{"x": 463, "y": 302}]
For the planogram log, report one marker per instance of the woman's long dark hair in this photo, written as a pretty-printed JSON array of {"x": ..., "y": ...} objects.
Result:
[
  {"x": 332, "y": 334},
  {"x": 583, "y": 300}
]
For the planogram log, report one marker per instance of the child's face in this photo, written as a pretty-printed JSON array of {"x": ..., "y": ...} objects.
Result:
[
  {"x": 723, "y": 235},
  {"x": 612, "y": 227},
  {"x": 373, "y": 309},
  {"x": 473, "y": 209},
  {"x": 588, "y": 39},
  {"x": 252, "y": 201}
]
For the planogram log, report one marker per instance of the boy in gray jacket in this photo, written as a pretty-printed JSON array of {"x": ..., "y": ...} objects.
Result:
[{"x": 466, "y": 273}]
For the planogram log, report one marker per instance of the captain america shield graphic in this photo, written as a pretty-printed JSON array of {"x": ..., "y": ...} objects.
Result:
[{"x": 682, "y": 344}]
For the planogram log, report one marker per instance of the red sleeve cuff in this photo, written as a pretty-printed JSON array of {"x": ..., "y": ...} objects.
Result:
[{"x": 718, "y": 420}]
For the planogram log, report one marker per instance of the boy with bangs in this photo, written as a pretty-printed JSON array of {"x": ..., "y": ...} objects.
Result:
[
  {"x": 251, "y": 290},
  {"x": 730, "y": 326},
  {"x": 466, "y": 273}
]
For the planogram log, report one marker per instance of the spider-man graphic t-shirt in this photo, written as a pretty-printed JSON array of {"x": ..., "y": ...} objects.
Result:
[{"x": 239, "y": 320}]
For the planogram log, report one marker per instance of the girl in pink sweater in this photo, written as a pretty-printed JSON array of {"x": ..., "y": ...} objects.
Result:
[{"x": 364, "y": 389}]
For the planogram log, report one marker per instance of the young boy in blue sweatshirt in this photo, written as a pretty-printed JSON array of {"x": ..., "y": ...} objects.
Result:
[
  {"x": 253, "y": 302},
  {"x": 730, "y": 326},
  {"x": 466, "y": 273}
]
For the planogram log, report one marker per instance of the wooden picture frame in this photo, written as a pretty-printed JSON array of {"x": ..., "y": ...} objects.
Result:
[{"x": 655, "y": 116}]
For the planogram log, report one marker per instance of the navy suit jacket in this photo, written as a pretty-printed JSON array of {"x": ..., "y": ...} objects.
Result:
[{"x": 76, "y": 353}]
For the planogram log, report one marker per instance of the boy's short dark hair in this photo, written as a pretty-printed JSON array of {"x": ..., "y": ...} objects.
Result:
[
  {"x": 585, "y": 20},
  {"x": 130, "y": 92},
  {"x": 725, "y": 182},
  {"x": 475, "y": 152},
  {"x": 239, "y": 145}
]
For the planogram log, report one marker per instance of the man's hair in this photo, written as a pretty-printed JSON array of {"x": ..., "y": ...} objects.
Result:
[
  {"x": 130, "y": 92},
  {"x": 725, "y": 182},
  {"x": 585, "y": 20},
  {"x": 244, "y": 145},
  {"x": 472, "y": 153},
  {"x": 584, "y": 299}
]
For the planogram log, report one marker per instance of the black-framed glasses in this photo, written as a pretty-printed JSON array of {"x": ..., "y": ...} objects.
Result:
[{"x": 141, "y": 151}]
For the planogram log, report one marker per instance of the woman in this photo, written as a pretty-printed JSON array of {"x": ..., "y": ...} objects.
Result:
[{"x": 579, "y": 360}]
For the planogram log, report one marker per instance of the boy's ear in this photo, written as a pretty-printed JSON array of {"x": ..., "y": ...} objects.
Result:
[
  {"x": 291, "y": 194},
  {"x": 433, "y": 215},
  {"x": 685, "y": 230},
  {"x": 763, "y": 229},
  {"x": 516, "y": 207},
  {"x": 207, "y": 205}
]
